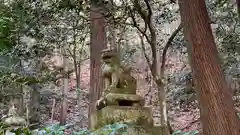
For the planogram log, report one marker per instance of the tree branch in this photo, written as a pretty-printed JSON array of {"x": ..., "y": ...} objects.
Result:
[
  {"x": 144, "y": 51},
  {"x": 164, "y": 54},
  {"x": 143, "y": 15},
  {"x": 143, "y": 32},
  {"x": 149, "y": 10}
]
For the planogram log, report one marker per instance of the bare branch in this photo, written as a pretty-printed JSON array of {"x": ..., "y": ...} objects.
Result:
[
  {"x": 164, "y": 54},
  {"x": 144, "y": 51},
  {"x": 148, "y": 24},
  {"x": 138, "y": 28},
  {"x": 143, "y": 15},
  {"x": 149, "y": 10},
  {"x": 70, "y": 53}
]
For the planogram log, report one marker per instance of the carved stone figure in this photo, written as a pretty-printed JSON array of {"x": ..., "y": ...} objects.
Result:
[
  {"x": 13, "y": 119},
  {"x": 120, "y": 103},
  {"x": 116, "y": 76}
]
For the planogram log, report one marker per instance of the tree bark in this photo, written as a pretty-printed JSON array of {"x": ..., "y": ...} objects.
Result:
[
  {"x": 111, "y": 28},
  {"x": 218, "y": 116},
  {"x": 238, "y": 7},
  {"x": 98, "y": 43},
  {"x": 63, "y": 113},
  {"x": 34, "y": 106}
]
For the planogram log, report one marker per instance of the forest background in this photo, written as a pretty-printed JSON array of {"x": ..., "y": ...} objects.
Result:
[{"x": 50, "y": 57}]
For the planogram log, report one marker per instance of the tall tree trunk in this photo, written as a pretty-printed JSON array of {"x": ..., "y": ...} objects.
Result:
[
  {"x": 34, "y": 106},
  {"x": 63, "y": 113},
  {"x": 78, "y": 79},
  {"x": 77, "y": 67},
  {"x": 20, "y": 101},
  {"x": 111, "y": 28},
  {"x": 238, "y": 7},
  {"x": 218, "y": 116},
  {"x": 98, "y": 42},
  {"x": 78, "y": 88}
]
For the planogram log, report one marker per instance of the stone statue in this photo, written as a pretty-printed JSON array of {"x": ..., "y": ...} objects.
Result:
[
  {"x": 13, "y": 119},
  {"x": 120, "y": 85},
  {"x": 116, "y": 76},
  {"x": 120, "y": 103}
]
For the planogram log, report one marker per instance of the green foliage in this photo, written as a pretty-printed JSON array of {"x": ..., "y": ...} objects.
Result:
[
  {"x": 3, "y": 128},
  {"x": 21, "y": 131},
  {"x": 6, "y": 28},
  {"x": 114, "y": 129},
  {"x": 178, "y": 132},
  {"x": 17, "y": 131},
  {"x": 10, "y": 78},
  {"x": 225, "y": 18}
]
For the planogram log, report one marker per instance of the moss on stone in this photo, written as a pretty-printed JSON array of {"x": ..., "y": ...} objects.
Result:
[
  {"x": 126, "y": 90},
  {"x": 130, "y": 115}
]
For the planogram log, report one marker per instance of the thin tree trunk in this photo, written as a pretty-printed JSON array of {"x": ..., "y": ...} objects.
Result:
[
  {"x": 34, "y": 114},
  {"x": 63, "y": 113},
  {"x": 78, "y": 79},
  {"x": 77, "y": 73},
  {"x": 111, "y": 27},
  {"x": 21, "y": 102},
  {"x": 53, "y": 109},
  {"x": 218, "y": 116},
  {"x": 98, "y": 43}
]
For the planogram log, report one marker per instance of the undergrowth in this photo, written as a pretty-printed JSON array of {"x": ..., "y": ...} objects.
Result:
[{"x": 113, "y": 129}]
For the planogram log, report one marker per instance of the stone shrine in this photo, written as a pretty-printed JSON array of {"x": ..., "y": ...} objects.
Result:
[{"x": 119, "y": 102}]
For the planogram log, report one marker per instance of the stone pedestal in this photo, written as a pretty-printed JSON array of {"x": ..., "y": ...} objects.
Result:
[
  {"x": 117, "y": 99},
  {"x": 141, "y": 116},
  {"x": 124, "y": 108},
  {"x": 120, "y": 104},
  {"x": 126, "y": 90}
]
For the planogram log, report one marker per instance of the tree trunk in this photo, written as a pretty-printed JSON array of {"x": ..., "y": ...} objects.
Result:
[
  {"x": 238, "y": 7},
  {"x": 34, "y": 106},
  {"x": 218, "y": 116},
  {"x": 77, "y": 68},
  {"x": 111, "y": 28},
  {"x": 21, "y": 102},
  {"x": 98, "y": 42},
  {"x": 78, "y": 76},
  {"x": 78, "y": 79},
  {"x": 63, "y": 113}
]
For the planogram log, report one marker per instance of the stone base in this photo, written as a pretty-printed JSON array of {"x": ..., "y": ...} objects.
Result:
[
  {"x": 129, "y": 115},
  {"x": 117, "y": 99},
  {"x": 121, "y": 90}
]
